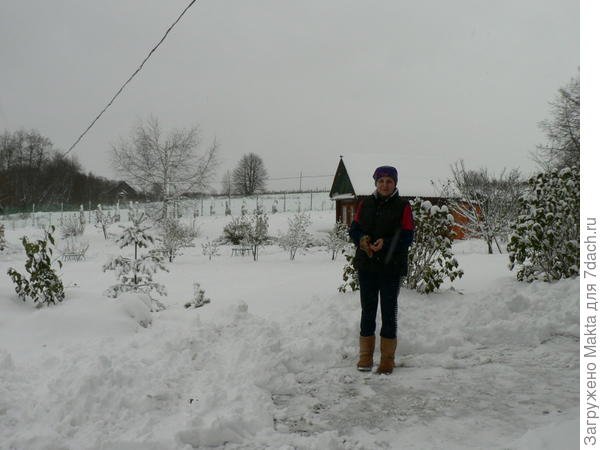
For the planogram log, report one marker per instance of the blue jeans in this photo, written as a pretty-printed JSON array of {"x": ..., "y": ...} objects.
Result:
[{"x": 375, "y": 285}]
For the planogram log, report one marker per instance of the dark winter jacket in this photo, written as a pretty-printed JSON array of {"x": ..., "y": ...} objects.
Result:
[{"x": 389, "y": 218}]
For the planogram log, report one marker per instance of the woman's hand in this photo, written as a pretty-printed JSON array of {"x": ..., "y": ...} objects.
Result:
[
  {"x": 365, "y": 245},
  {"x": 377, "y": 245}
]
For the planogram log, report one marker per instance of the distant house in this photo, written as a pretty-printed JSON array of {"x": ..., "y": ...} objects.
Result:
[
  {"x": 353, "y": 181},
  {"x": 121, "y": 191}
]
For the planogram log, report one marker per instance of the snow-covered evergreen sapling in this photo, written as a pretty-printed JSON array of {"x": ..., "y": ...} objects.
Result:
[
  {"x": 258, "y": 231},
  {"x": 544, "y": 243},
  {"x": 174, "y": 236},
  {"x": 43, "y": 286},
  {"x": 200, "y": 299},
  {"x": 236, "y": 231},
  {"x": 136, "y": 274},
  {"x": 430, "y": 257},
  {"x": 337, "y": 239},
  {"x": 297, "y": 236}
]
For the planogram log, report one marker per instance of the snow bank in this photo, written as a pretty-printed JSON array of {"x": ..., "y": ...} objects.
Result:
[
  {"x": 509, "y": 314},
  {"x": 557, "y": 435}
]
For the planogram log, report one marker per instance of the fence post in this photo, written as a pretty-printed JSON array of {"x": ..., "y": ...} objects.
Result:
[{"x": 284, "y": 210}]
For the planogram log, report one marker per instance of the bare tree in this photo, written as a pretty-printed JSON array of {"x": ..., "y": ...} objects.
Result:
[
  {"x": 488, "y": 203},
  {"x": 250, "y": 175},
  {"x": 562, "y": 130},
  {"x": 171, "y": 164},
  {"x": 227, "y": 184}
]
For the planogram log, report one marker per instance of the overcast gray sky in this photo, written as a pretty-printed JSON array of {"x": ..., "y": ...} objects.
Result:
[{"x": 297, "y": 82}]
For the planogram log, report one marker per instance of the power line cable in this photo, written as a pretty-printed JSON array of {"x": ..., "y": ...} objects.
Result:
[
  {"x": 303, "y": 176},
  {"x": 130, "y": 78}
]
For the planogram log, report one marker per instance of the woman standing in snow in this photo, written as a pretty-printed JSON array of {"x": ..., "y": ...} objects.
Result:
[{"x": 382, "y": 231}]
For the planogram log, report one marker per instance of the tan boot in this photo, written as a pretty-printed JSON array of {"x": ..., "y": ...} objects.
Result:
[
  {"x": 388, "y": 350},
  {"x": 367, "y": 347}
]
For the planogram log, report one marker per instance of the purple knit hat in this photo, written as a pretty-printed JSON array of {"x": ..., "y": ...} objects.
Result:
[{"x": 386, "y": 171}]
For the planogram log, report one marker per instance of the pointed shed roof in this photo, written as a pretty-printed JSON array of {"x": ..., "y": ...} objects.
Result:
[{"x": 354, "y": 176}]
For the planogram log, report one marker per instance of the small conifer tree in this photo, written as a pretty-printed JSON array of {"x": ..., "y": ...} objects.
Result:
[
  {"x": 544, "y": 244},
  {"x": 136, "y": 274},
  {"x": 236, "y": 231}
]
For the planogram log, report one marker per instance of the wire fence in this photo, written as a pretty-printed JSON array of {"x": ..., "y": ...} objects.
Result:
[{"x": 187, "y": 208}]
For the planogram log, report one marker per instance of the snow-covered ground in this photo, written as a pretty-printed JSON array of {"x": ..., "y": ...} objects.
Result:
[{"x": 490, "y": 363}]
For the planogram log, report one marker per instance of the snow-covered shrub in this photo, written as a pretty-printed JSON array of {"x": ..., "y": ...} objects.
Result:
[
  {"x": 136, "y": 274},
  {"x": 337, "y": 239},
  {"x": 174, "y": 236},
  {"x": 349, "y": 273},
  {"x": 257, "y": 235},
  {"x": 199, "y": 299},
  {"x": 430, "y": 258},
  {"x": 72, "y": 226},
  {"x": 236, "y": 230},
  {"x": 2, "y": 238},
  {"x": 43, "y": 286},
  {"x": 210, "y": 249},
  {"x": 103, "y": 220},
  {"x": 297, "y": 236},
  {"x": 545, "y": 238}
]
